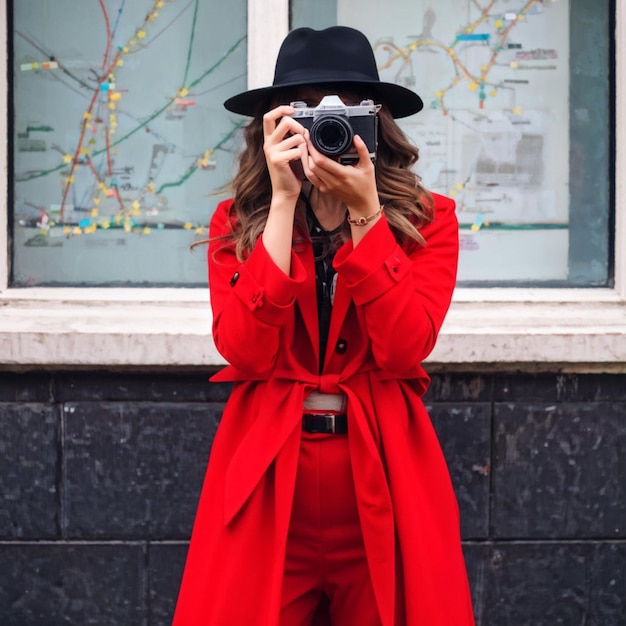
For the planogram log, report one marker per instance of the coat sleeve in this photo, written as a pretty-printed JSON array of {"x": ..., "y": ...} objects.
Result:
[
  {"x": 250, "y": 301},
  {"x": 404, "y": 296}
]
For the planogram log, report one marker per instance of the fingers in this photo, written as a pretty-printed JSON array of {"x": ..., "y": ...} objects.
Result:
[
  {"x": 282, "y": 135},
  {"x": 291, "y": 141},
  {"x": 317, "y": 167},
  {"x": 311, "y": 170},
  {"x": 322, "y": 167},
  {"x": 315, "y": 180},
  {"x": 277, "y": 123},
  {"x": 289, "y": 149},
  {"x": 286, "y": 141},
  {"x": 282, "y": 144},
  {"x": 365, "y": 161},
  {"x": 271, "y": 117},
  {"x": 353, "y": 184}
]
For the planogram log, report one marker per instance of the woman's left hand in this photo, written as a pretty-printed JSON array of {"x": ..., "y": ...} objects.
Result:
[{"x": 354, "y": 185}]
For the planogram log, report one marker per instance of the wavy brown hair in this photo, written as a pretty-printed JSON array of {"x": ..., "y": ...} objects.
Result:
[{"x": 408, "y": 206}]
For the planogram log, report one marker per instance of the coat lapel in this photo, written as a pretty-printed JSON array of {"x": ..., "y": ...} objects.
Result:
[
  {"x": 307, "y": 304},
  {"x": 307, "y": 297}
]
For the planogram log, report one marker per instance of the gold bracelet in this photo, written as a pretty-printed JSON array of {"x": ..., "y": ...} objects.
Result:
[{"x": 362, "y": 221}]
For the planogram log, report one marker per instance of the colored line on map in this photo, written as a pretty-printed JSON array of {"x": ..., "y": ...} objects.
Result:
[
  {"x": 466, "y": 34},
  {"x": 88, "y": 116},
  {"x": 43, "y": 129},
  {"x": 194, "y": 167},
  {"x": 173, "y": 99},
  {"x": 156, "y": 114},
  {"x": 109, "y": 36},
  {"x": 193, "y": 34},
  {"x": 117, "y": 19},
  {"x": 473, "y": 37},
  {"x": 44, "y": 65}
]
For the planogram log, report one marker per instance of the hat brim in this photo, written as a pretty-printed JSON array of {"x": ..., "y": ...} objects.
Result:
[{"x": 400, "y": 101}]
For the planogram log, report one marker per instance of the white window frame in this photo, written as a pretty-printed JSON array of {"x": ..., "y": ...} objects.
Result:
[{"x": 487, "y": 328}]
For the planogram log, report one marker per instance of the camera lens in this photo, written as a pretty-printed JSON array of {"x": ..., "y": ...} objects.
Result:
[{"x": 331, "y": 135}]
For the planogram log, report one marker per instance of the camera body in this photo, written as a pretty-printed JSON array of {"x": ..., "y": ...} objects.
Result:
[{"x": 333, "y": 124}]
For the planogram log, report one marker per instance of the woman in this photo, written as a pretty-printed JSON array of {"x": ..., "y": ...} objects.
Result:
[{"x": 327, "y": 496}]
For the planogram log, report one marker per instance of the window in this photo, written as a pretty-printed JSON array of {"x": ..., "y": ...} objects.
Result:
[
  {"x": 525, "y": 325},
  {"x": 515, "y": 125},
  {"x": 120, "y": 139}
]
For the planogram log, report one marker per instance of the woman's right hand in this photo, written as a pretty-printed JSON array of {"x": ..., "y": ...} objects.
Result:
[{"x": 284, "y": 145}]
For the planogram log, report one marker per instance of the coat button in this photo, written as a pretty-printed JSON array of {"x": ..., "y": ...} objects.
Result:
[
  {"x": 234, "y": 279},
  {"x": 341, "y": 346}
]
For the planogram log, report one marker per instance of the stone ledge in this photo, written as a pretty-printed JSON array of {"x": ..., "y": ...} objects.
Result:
[{"x": 571, "y": 336}]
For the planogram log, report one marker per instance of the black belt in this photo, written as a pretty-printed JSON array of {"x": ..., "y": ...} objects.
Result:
[{"x": 325, "y": 423}]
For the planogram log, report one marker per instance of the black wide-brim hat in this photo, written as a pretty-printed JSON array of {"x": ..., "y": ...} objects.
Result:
[{"x": 339, "y": 56}]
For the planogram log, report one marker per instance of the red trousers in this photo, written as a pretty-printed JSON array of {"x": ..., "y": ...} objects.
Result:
[{"x": 325, "y": 560}]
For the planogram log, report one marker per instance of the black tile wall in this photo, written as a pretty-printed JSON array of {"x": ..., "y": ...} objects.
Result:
[
  {"x": 72, "y": 584},
  {"x": 25, "y": 387},
  {"x": 94, "y": 386},
  {"x": 477, "y": 563},
  {"x": 535, "y": 388},
  {"x": 134, "y": 470},
  {"x": 607, "y": 576},
  {"x": 536, "y": 584},
  {"x": 100, "y": 474},
  {"x": 459, "y": 388},
  {"x": 165, "y": 571},
  {"x": 559, "y": 470},
  {"x": 470, "y": 466},
  {"x": 29, "y": 453}
]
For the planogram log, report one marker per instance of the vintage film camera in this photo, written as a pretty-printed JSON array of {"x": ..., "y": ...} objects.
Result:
[{"x": 333, "y": 124}]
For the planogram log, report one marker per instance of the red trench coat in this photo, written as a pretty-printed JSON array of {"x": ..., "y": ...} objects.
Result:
[{"x": 388, "y": 308}]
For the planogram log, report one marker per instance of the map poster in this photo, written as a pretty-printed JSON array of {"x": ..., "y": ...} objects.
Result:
[
  {"x": 494, "y": 132},
  {"x": 121, "y": 142}
]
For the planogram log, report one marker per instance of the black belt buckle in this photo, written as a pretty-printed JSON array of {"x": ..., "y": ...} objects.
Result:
[{"x": 329, "y": 423}]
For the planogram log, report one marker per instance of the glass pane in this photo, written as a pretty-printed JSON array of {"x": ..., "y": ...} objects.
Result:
[
  {"x": 515, "y": 126},
  {"x": 121, "y": 141}
]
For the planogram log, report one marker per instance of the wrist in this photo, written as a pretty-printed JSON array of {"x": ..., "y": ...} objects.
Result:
[
  {"x": 284, "y": 201},
  {"x": 363, "y": 219}
]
